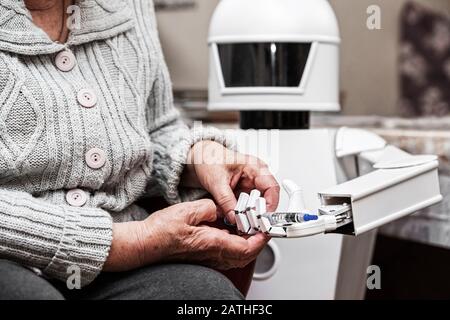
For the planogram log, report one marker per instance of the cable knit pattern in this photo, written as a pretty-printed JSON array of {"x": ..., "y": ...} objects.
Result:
[{"x": 45, "y": 133}]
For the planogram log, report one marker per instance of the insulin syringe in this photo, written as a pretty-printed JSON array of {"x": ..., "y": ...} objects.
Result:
[{"x": 284, "y": 218}]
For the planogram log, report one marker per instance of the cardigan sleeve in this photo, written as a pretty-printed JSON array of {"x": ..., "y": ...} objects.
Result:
[
  {"x": 53, "y": 238},
  {"x": 171, "y": 137},
  {"x": 172, "y": 140}
]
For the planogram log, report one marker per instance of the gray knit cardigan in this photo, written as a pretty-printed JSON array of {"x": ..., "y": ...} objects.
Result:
[{"x": 45, "y": 134}]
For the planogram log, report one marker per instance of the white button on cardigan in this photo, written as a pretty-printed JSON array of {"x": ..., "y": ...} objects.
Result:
[
  {"x": 87, "y": 98},
  {"x": 76, "y": 197},
  {"x": 95, "y": 158},
  {"x": 65, "y": 61}
]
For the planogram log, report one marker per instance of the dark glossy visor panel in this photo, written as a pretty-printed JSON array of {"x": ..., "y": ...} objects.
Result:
[{"x": 263, "y": 64}]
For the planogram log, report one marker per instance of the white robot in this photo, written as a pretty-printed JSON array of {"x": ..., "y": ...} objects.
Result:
[{"x": 276, "y": 61}]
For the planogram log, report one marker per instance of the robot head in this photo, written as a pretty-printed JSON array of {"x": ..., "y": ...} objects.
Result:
[{"x": 274, "y": 55}]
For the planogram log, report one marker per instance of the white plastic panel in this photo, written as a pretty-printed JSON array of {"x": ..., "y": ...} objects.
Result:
[
  {"x": 351, "y": 141},
  {"x": 386, "y": 195},
  {"x": 411, "y": 161},
  {"x": 308, "y": 267}
]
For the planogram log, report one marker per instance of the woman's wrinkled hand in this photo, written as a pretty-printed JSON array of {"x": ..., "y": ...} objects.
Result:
[
  {"x": 225, "y": 173},
  {"x": 180, "y": 233}
]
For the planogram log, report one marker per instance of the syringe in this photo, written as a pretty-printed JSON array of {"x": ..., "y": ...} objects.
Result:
[{"x": 284, "y": 218}]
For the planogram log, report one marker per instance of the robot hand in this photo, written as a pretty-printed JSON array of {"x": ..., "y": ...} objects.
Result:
[{"x": 251, "y": 216}]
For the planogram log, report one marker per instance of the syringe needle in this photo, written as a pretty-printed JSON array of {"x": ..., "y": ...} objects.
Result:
[{"x": 283, "y": 218}]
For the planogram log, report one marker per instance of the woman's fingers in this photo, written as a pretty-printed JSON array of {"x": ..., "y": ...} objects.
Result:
[
  {"x": 201, "y": 211},
  {"x": 270, "y": 190},
  {"x": 265, "y": 182},
  {"x": 235, "y": 249},
  {"x": 225, "y": 199}
]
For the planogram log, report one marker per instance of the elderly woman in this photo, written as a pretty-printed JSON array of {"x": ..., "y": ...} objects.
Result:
[{"x": 88, "y": 128}]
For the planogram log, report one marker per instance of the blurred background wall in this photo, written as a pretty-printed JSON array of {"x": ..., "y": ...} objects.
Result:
[{"x": 369, "y": 59}]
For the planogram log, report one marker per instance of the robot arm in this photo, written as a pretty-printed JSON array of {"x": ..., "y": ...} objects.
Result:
[{"x": 400, "y": 184}]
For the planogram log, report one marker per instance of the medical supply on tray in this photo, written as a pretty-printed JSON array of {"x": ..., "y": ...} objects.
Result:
[{"x": 252, "y": 217}]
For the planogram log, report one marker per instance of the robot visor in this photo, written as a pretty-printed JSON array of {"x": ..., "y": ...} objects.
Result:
[{"x": 268, "y": 64}]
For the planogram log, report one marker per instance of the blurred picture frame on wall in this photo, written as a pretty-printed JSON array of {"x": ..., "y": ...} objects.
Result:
[{"x": 424, "y": 61}]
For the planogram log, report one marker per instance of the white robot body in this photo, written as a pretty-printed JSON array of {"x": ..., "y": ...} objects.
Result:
[
  {"x": 275, "y": 61},
  {"x": 317, "y": 259}
]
